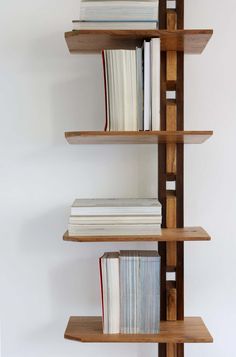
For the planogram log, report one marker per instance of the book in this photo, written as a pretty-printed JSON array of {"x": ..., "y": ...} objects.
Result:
[
  {"x": 110, "y": 286},
  {"x": 113, "y": 229},
  {"x": 130, "y": 285},
  {"x": 132, "y": 87},
  {"x": 118, "y": 10},
  {"x": 139, "y": 292},
  {"x": 155, "y": 83},
  {"x": 120, "y": 85},
  {"x": 147, "y": 86},
  {"x": 116, "y": 206},
  {"x": 114, "y": 25},
  {"x": 119, "y": 220},
  {"x": 139, "y": 79}
]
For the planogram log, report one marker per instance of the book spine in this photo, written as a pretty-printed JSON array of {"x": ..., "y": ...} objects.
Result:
[
  {"x": 147, "y": 87},
  {"x": 105, "y": 90},
  {"x": 101, "y": 287}
]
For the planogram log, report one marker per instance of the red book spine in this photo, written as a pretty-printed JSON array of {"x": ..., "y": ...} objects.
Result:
[
  {"x": 105, "y": 89},
  {"x": 101, "y": 286}
]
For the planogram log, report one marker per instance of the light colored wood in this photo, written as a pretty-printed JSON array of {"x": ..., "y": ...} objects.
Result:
[
  {"x": 171, "y": 113},
  {"x": 171, "y": 20},
  {"x": 171, "y": 223},
  {"x": 171, "y": 56},
  {"x": 189, "y": 41},
  {"x": 137, "y": 137},
  {"x": 171, "y": 254},
  {"x": 171, "y": 350},
  {"x": 89, "y": 329},
  {"x": 171, "y": 66},
  {"x": 171, "y": 302},
  {"x": 176, "y": 234},
  {"x": 171, "y": 124}
]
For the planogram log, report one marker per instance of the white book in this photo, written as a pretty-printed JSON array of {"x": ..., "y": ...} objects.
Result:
[
  {"x": 139, "y": 79},
  {"x": 130, "y": 92},
  {"x": 155, "y": 82},
  {"x": 80, "y": 220},
  {"x": 112, "y": 229},
  {"x": 114, "y": 25},
  {"x": 111, "y": 292},
  {"x": 147, "y": 86},
  {"x": 119, "y": 10},
  {"x": 116, "y": 206},
  {"x": 121, "y": 84}
]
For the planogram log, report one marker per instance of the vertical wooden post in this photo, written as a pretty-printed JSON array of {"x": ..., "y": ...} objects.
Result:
[{"x": 170, "y": 165}]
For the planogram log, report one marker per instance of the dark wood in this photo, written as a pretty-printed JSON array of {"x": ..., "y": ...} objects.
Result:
[
  {"x": 170, "y": 268},
  {"x": 162, "y": 178},
  {"x": 170, "y": 176},
  {"x": 190, "y": 234},
  {"x": 180, "y": 14},
  {"x": 89, "y": 329},
  {"x": 180, "y": 280},
  {"x": 170, "y": 85},
  {"x": 189, "y": 41},
  {"x": 137, "y": 137},
  {"x": 162, "y": 14},
  {"x": 180, "y": 176}
]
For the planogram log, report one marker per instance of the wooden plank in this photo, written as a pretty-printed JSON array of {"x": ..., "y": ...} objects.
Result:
[
  {"x": 171, "y": 235},
  {"x": 171, "y": 65},
  {"x": 171, "y": 20},
  {"x": 180, "y": 175},
  {"x": 171, "y": 124},
  {"x": 170, "y": 210},
  {"x": 171, "y": 56},
  {"x": 171, "y": 115},
  {"x": 171, "y": 223},
  {"x": 172, "y": 304},
  {"x": 139, "y": 137},
  {"x": 171, "y": 350},
  {"x": 89, "y": 329},
  {"x": 189, "y": 41}
]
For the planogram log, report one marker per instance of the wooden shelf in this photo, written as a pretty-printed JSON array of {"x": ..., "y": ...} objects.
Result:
[
  {"x": 89, "y": 329},
  {"x": 167, "y": 235},
  {"x": 189, "y": 41},
  {"x": 137, "y": 137}
]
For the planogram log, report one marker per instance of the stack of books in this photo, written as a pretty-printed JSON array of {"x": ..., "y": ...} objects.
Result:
[
  {"x": 112, "y": 14},
  {"x": 130, "y": 289},
  {"x": 104, "y": 217},
  {"x": 132, "y": 87}
]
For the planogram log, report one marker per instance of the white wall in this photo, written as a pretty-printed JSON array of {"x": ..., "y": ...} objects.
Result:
[{"x": 45, "y": 91}]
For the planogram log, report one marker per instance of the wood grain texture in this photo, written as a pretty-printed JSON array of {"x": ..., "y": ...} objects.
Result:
[
  {"x": 172, "y": 235},
  {"x": 189, "y": 41},
  {"x": 172, "y": 304},
  {"x": 171, "y": 223},
  {"x": 171, "y": 56},
  {"x": 89, "y": 329},
  {"x": 137, "y": 137},
  {"x": 171, "y": 350},
  {"x": 171, "y": 72},
  {"x": 171, "y": 125}
]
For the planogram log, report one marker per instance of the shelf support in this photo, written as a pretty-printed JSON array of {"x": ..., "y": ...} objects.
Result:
[{"x": 170, "y": 164}]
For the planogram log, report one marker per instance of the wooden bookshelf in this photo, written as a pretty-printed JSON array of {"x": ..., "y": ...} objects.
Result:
[
  {"x": 137, "y": 137},
  {"x": 189, "y": 41},
  {"x": 189, "y": 234},
  {"x": 175, "y": 329},
  {"x": 89, "y": 329}
]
